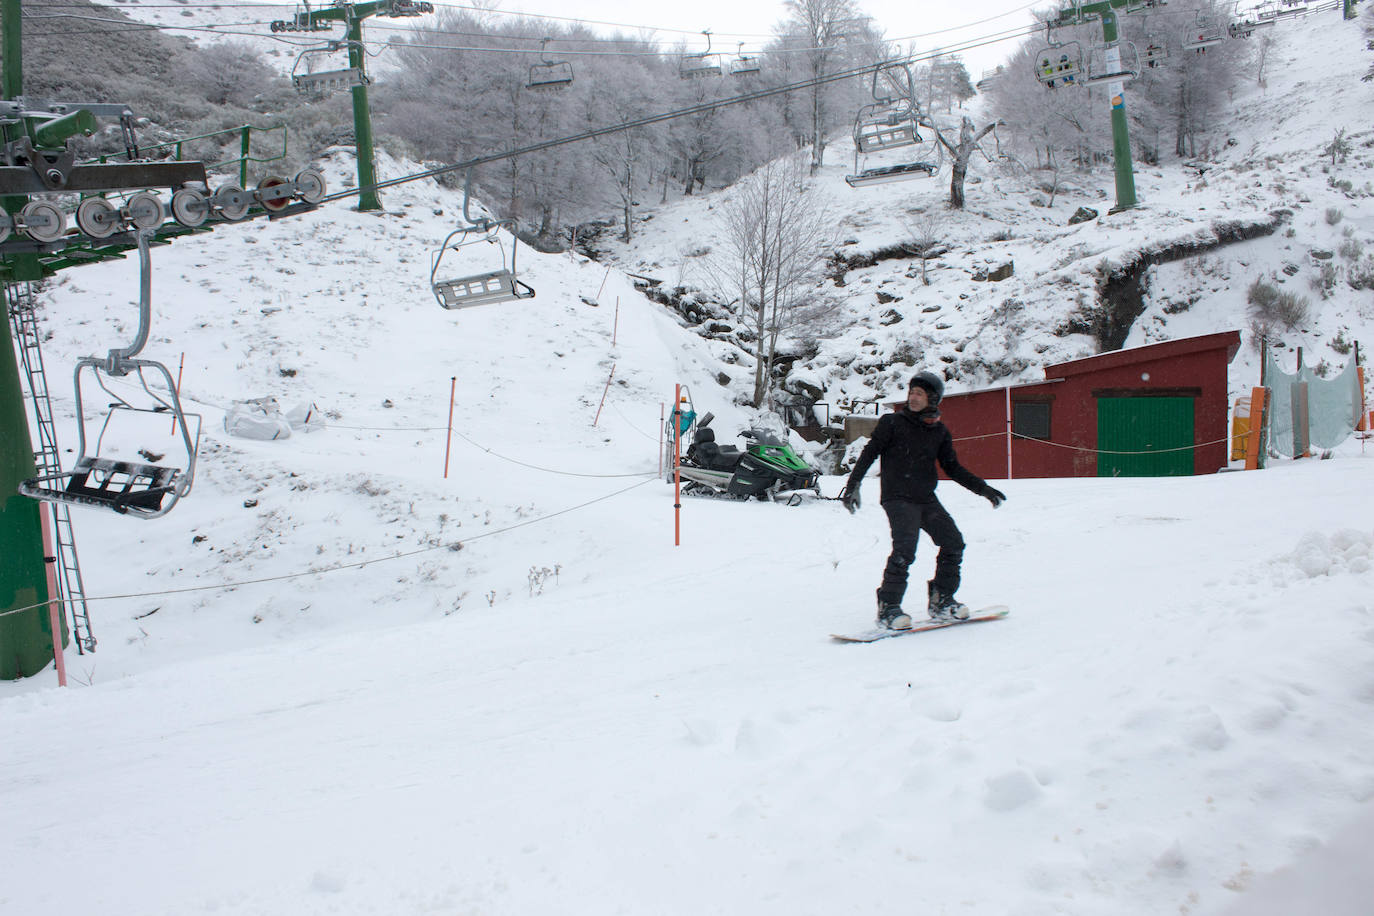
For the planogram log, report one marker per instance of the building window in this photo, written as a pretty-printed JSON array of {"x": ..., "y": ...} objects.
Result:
[{"x": 1031, "y": 419}]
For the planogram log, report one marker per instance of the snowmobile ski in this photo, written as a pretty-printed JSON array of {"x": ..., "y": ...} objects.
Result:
[{"x": 992, "y": 612}]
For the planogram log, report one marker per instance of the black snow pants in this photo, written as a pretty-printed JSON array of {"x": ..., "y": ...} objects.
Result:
[{"x": 908, "y": 519}]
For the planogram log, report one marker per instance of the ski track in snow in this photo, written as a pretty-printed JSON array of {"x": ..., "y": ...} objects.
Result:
[{"x": 559, "y": 711}]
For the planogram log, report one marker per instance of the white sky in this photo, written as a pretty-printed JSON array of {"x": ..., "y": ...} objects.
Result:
[{"x": 928, "y": 25}]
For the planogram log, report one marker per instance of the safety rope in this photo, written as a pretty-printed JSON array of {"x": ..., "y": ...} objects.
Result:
[{"x": 339, "y": 567}]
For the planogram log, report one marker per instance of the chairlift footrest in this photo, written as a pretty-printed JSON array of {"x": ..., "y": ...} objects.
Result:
[{"x": 124, "y": 486}]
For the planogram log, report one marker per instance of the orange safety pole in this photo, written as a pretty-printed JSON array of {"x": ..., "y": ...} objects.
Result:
[
  {"x": 1008, "y": 432},
  {"x": 1258, "y": 404},
  {"x": 615, "y": 328},
  {"x": 448, "y": 440},
  {"x": 597, "y": 418},
  {"x": 675, "y": 416},
  {"x": 660, "y": 438},
  {"x": 54, "y": 601}
]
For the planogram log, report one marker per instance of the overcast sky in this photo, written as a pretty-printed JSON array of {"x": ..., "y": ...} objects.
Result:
[{"x": 928, "y": 25}]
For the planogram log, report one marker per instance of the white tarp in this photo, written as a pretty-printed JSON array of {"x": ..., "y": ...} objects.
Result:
[{"x": 262, "y": 418}]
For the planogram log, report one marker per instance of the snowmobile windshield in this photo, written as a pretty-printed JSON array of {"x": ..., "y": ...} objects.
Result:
[{"x": 764, "y": 437}]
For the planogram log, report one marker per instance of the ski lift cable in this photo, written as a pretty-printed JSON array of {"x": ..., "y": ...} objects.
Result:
[{"x": 631, "y": 125}]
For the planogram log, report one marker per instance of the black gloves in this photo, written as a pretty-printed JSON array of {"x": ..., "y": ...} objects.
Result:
[
  {"x": 849, "y": 498},
  {"x": 996, "y": 497}
]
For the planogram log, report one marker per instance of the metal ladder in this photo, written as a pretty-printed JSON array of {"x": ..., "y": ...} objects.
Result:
[{"x": 71, "y": 591}]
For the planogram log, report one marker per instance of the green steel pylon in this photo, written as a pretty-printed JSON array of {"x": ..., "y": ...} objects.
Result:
[{"x": 26, "y": 644}]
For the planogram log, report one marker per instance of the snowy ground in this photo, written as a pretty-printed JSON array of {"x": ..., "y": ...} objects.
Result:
[{"x": 333, "y": 682}]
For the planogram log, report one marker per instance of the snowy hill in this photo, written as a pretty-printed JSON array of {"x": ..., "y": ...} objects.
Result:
[
  {"x": 1268, "y": 174},
  {"x": 333, "y": 681}
]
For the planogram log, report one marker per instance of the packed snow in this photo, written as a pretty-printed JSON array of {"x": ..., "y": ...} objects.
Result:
[{"x": 336, "y": 681}]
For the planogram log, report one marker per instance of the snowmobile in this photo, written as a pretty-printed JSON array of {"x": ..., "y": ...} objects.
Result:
[{"x": 766, "y": 468}]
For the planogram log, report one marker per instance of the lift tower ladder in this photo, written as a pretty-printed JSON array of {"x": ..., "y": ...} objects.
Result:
[{"x": 71, "y": 591}]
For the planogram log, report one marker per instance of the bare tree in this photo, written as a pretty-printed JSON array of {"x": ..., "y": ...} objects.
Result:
[
  {"x": 925, "y": 235},
  {"x": 773, "y": 239},
  {"x": 820, "y": 29},
  {"x": 960, "y": 153}
]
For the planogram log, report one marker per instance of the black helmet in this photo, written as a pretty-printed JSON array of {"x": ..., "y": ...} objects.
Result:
[{"x": 932, "y": 383}]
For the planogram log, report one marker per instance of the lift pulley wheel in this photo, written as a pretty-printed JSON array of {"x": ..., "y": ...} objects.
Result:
[
  {"x": 42, "y": 221},
  {"x": 98, "y": 218},
  {"x": 310, "y": 185},
  {"x": 190, "y": 207},
  {"x": 146, "y": 210},
  {"x": 232, "y": 201}
]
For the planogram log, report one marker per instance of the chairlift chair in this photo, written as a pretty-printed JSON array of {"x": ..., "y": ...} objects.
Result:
[
  {"x": 1059, "y": 63},
  {"x": 405, "y": 8},
  {"x": 300, "y": 21},
  {"x": 549, "y": 74},
  {"x": 323, "y": 82},
  {"x": 146, "y": 487},
  {"x": 691, "y": 66},
  {"x": 487, "y": 287},
  {"x": 1155, "y": 52},
  {"x": 1204, "y": 34},
  {"x": 884, "y": 126},
  {"x": 923, "y": 162},
  {"x": 744, "y": 64},
  {"x": 892, "y": 85},
  {"x": 1102, "y": 69}
]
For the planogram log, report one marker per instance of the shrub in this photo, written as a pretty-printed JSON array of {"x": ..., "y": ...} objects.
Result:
[
  {"x": 1334, "y": 215},
  {"x": 1351, "y": 249},
  {"x": 1325, "y": 280},
  {"x": 1340, "y": 344},
  {"x": 1269, "y": 307},
  {"x": 1361, "y": 275}
]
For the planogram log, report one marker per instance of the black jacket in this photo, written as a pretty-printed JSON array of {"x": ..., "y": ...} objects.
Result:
[{"x": 910, "y": 447}]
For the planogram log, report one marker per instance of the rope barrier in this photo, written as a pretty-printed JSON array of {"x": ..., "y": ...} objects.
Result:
[
  {"x": 1096, "y": 451},
  {"x": 339, "y": 567}
]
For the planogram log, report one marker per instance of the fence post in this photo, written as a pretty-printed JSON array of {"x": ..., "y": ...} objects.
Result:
[{"x": 448, "y": 439}]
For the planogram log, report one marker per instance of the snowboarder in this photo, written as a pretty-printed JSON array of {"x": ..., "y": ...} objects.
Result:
[{"x": 910, "y": 441}]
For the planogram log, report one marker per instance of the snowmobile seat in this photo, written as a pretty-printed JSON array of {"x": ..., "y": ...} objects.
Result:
[{"x": 713, "y": 456}]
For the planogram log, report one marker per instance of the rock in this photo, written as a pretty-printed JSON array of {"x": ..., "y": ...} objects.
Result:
[
  {"x": 1082, "y": 215},
  {"x": 890, "y": 317},
  {"x": 1319, "y": 254},
  {"x": 805, "y": 388},
  {"x": 1002, "y": 272},
  {"x": 885, "y": 298}
]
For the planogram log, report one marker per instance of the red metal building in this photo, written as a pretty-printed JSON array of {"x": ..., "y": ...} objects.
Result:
[{"x": 1153, "y": 411}]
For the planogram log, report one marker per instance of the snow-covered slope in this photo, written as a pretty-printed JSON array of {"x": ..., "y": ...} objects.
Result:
[
  {"x": 1268, "y": 159},
  {"x": 333, "y": 681}
]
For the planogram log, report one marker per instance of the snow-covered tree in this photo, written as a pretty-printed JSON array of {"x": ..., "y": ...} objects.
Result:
[{"x": 773, "y": 237}]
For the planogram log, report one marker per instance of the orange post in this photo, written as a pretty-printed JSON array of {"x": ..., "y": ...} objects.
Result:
[
  {"x": 448, "y": 440},
  {"x": 1259, "y": 402},
  {"x": 676, "y": 417},
  {"x": 54, "y": 601}
]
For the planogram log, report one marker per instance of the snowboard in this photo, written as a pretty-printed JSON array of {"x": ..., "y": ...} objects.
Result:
[{"x": 992, "y": 612}]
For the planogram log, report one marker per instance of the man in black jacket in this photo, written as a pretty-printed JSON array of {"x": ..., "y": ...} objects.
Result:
[{"x": 910, "y": 442}]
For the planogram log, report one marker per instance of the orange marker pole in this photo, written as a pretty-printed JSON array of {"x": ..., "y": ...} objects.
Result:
[
  {"x": 676, "y": 417},
  {"x": 448, "y": 440},
  {"x": 1258, "y": 403},
  {"x": 597, "y": 419},
  {"x": 54, "y": 602}
]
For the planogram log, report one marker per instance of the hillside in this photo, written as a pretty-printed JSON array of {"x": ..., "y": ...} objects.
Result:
[
  {"x": 335, "y": 681},
  {"x": 1267, "y": 175}
]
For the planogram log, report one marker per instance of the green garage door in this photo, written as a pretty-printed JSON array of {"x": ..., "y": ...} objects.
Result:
[{"x": 1145, "y": 425}]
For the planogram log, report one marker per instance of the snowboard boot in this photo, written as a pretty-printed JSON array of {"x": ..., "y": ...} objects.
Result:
[
  {"x": 944, "y": 607},
  {"x": 892, "y": 616}
]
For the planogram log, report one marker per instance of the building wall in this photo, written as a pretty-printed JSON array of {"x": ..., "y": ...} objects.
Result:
[{"x": 1195, "y": 368}]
